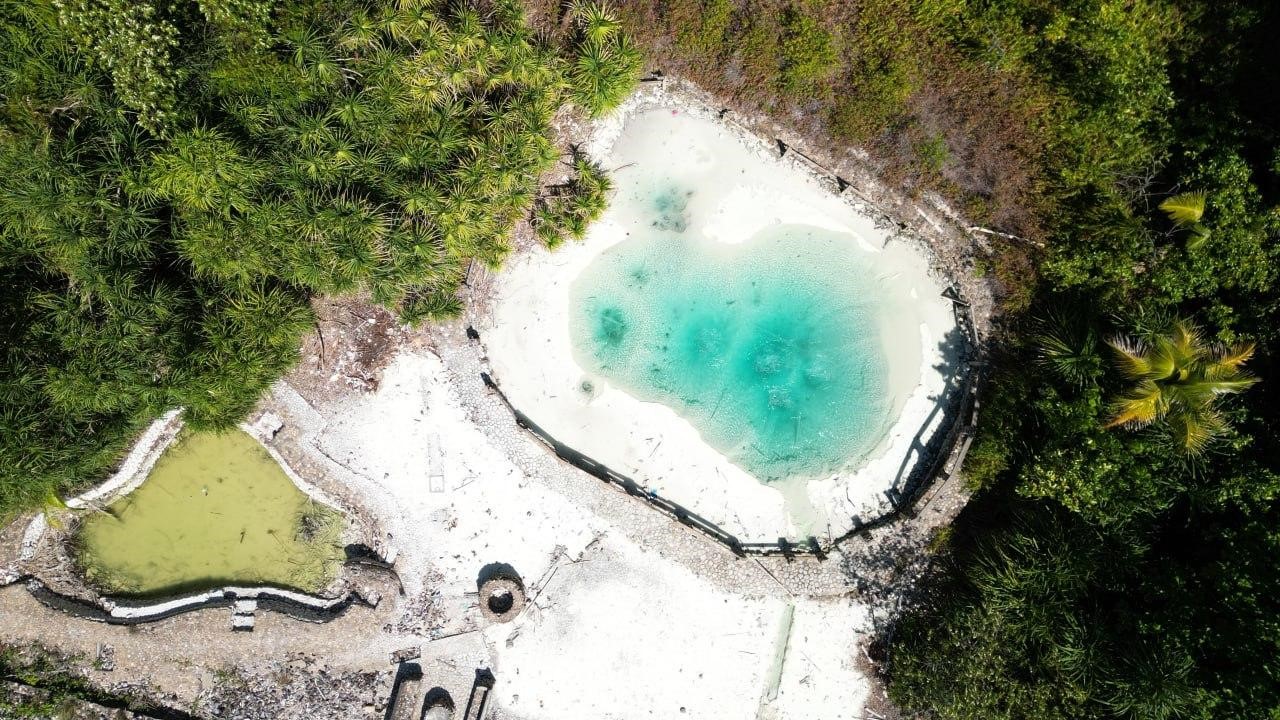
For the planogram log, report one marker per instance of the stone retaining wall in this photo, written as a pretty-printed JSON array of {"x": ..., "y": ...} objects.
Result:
[{"x": 299, "y": 606}]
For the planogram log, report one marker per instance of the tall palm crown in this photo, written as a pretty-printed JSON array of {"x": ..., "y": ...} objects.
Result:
[{"x": 1178, "y": 380}]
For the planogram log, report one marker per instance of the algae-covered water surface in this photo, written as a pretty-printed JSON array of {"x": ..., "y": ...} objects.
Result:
[{"x": 215, "y": 510}]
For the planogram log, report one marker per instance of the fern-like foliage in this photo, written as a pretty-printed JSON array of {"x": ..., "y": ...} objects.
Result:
[{"x": 1069, "y": 348}]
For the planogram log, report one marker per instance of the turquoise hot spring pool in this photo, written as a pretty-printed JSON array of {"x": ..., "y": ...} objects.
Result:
[
  {"x": 734, "y": 334},
  {"x": 775, "y": 359}
]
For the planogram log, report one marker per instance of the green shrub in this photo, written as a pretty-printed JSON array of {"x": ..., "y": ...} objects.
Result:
[
  {"x": 933, "y": 153},
  {"x": 875, "y": 98},
  {"x": 702, "y": 26},
  {"x": 566, "y": 211},
  {"x": 607, "y": 64},
  {"x": 808, "y": 54}
]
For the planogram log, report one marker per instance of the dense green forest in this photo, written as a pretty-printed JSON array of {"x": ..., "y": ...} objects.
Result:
[
  {"x": 1122, "y": 556},
  {"x": 178, "y": 178}
]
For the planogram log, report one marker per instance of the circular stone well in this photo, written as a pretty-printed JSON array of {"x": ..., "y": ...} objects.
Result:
[{"x": 501, "y": 598}]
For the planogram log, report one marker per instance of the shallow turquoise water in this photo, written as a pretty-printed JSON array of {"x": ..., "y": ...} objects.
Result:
[{"x": 770, "y": 348}]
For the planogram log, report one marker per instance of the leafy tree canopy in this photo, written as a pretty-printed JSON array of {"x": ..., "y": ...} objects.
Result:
[{"x": 177, "y": 178}]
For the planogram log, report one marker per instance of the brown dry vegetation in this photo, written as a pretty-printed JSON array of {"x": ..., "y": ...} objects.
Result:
[{"x": 869, "y": 73}]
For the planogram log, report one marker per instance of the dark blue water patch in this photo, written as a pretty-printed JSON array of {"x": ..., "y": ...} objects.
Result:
[{"x": 771, "y": 348}]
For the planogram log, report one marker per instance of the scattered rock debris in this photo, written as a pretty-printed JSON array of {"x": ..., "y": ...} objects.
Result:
[
  {"x": 409, "y": 653},
  {"x": 106, "y": 659},
  {"x": 299, "y": 688}
]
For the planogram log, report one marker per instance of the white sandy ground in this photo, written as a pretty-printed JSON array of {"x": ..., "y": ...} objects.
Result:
[
  {"x": 741, "y": 189},
  {"x": 614, "y": 631}
]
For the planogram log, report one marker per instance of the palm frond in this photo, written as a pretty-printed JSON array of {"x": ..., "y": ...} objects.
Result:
[
  {"x": 1131, "y": 356},
  {"x": 1185, "y": 208},
  {"x": 1234, "y": 355},
  {"x": 1187, "y": 340},
  {"x": 1141, "y": 406},
  {"x": 1195, "y": 431},
  {"x": 1198, "y": 237},
  {"x": 1237, "y": 383}
]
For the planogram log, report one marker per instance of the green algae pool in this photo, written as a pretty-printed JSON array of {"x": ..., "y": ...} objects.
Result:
[
  {"x": 773, "y": 357},
  {"x": 215, "y": 510}
]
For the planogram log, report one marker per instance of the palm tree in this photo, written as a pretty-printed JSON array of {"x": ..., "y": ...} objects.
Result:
[
  {"x": 360, "y": 32},
  {"x": 604, "y": 74},
  {"x": 204, "y": 171},
  {"x": 568, "y": 210},
  {"x": 1179, "y": 379},
  {"x": 1068, "y": 345}
]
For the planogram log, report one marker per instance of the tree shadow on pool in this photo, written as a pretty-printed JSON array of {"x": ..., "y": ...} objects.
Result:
[
  {"x": 920, "y": 459},
  {"x": 887, "y": 561}
]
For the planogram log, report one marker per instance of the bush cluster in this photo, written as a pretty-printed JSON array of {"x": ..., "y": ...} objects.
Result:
[{"x": 177, "y": 179}]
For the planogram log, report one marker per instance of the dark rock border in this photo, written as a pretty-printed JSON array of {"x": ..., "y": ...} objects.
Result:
[{"x": 501, "y": 599}]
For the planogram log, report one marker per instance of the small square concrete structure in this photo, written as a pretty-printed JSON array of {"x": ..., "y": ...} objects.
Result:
[{"x": 242, "y": 614}]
